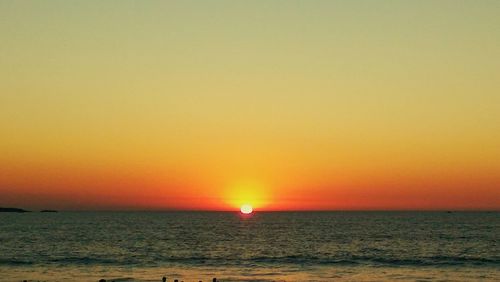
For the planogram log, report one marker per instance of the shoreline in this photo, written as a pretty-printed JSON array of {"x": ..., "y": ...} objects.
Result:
[{"x": 256, "y": 274}]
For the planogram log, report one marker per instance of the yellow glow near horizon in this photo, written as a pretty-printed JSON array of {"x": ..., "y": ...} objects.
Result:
[{"x": 249, "y": 193}]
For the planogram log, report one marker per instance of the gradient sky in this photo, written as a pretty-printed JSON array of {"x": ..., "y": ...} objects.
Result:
[{"x": 286, "y": 105}]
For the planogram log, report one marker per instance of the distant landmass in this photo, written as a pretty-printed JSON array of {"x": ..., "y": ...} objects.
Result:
[
  {"x": 12, "y": 210},
  {"x": 21, "y": 210}
]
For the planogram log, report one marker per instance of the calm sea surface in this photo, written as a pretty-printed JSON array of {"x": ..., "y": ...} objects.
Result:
[{"x": 280, "y": 246}]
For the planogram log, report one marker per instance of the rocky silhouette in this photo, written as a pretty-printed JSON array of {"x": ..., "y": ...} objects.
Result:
[{"x": 12, "y": 210}]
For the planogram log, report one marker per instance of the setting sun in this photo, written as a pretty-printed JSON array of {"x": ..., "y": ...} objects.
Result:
[{"x": 246, "y": 209}]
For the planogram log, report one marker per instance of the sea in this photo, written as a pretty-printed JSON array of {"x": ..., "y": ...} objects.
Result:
[{"x": 264, "y": 246}]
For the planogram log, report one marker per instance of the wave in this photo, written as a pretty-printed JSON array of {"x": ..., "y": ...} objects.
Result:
[
  {"x": 87, "y": 261},
  {"x": 430, "y": 261},
  {"x": 14, "y": 262},
  {"x": 263, "y": 260},
  {"x": 380, "y": 261}
]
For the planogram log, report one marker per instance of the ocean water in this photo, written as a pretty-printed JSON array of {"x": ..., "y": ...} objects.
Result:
[{"x": 273, "y": 246}]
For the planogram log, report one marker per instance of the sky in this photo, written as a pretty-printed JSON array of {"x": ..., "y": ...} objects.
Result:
[{"x": 284, "y": 105}]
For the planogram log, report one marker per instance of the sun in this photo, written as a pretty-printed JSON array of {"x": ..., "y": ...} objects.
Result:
[{"x": 246, "y": 209}]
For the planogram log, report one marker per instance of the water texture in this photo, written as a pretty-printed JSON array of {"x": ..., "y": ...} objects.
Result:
[{"x": 274, "y": 246}]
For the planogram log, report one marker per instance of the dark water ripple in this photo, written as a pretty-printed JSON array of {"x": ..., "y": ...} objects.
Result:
[{"x": 265, "y": 239}]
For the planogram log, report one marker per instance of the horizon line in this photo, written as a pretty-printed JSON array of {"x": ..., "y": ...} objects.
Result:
[{"x": 263, "y": 211}]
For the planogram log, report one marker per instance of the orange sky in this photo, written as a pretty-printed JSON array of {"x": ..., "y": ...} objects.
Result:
[{"x": 318, "y": 105}]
